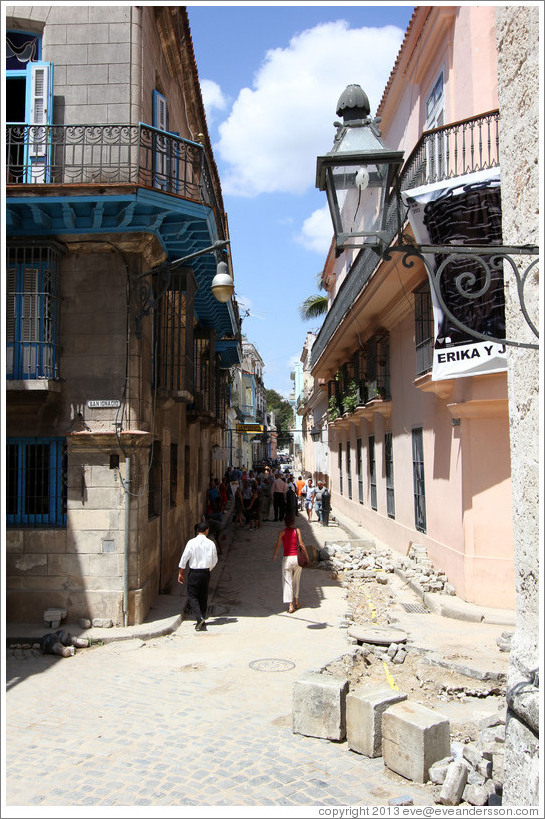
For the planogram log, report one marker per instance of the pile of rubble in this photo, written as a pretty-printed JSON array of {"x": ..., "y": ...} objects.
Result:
[
  {"x": 473, "y": 775},
  {"x": 418, "y": 568},
  {"x": 355, "y": 559},
  {"x": 361, "y": 559}
]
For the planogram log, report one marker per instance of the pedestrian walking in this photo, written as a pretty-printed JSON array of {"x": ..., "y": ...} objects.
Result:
[
  {"x": 291, "y": 570},
  {"x": 279, "y": 489},
  {"x": 318, "y": 500},
  {"x": 309, "y": 491},
  {"x": 300, "y": 483},
  {"x": 200, "y": 556},
  {"x": 326, "y": 506}
]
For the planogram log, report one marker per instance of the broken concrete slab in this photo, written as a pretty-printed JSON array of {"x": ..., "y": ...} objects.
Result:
[
  {"x": 364, "y": 712},
  {"x": 413, "y": 738},
  {"x": 319, "y": 706}
]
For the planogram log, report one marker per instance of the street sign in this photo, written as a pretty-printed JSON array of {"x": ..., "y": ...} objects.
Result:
[{"x": 249, "y": 428}]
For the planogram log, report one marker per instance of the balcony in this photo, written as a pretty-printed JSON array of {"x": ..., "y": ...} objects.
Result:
[
  {"x": 455, "y": 150},
  {"x": 107, "y": 155},
  {"x": 118, "y": 179}
]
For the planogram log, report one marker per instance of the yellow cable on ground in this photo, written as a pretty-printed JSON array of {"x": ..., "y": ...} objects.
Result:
[{"x": 391, "y": 681}]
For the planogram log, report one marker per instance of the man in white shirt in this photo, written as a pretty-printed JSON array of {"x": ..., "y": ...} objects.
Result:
[{"x": 201, "y": 556}]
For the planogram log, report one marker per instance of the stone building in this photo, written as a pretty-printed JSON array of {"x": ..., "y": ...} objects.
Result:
[
  {"x": 118, "y": 360},
  {"x": 418, "y": 412}
]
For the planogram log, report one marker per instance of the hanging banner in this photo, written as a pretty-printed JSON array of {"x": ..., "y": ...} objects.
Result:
[{"x": 463, "y": 211}]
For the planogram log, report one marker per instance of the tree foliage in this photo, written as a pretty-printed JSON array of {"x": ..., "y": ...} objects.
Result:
[{"x": 283, "y": 414}]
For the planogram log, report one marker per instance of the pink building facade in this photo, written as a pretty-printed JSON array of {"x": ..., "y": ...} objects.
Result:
[{"x": 415, "y": 458}]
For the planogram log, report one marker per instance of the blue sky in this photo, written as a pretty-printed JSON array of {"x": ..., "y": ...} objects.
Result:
[{"x": 271, "y": 75}]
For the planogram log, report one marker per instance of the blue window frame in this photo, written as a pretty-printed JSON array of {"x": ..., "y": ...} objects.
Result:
[
  {"x": 36, "y": 482},
  {"x": 32, "y": 312}
]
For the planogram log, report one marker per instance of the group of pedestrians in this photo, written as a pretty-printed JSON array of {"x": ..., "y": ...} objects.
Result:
[{"x": 255, "y": 496}]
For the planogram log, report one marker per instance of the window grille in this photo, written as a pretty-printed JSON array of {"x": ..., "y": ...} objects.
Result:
[
  {"x": 423, "y": 329},
  {"x": 204, "y": 370},
  {"x": 359, "y": 457},
  {"x": 389, "y": 468},
  {"x": 418, "y": 480},
  {"x": 173, "y": 474},
  {"x": 340, "y": 469},
  {"x": 174, "y": 334},
  {"x": 372, "y": 473},
  {"x": 32, "y": 312},
  {"x": 349, "y": 470},
  {"x": 36, "y": 471},
  {"x": 154, "y": 483}
]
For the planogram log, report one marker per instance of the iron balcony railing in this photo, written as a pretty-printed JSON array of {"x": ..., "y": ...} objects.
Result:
[
  {"x": 108, "y": 154},
  {"x": 455, "y": 150}
]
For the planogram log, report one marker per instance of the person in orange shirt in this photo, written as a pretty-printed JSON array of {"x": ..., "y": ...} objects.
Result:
[{"x": 299, "y": 484}]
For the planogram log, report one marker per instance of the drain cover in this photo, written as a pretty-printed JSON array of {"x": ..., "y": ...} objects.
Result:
[
  {"x": 377, "y": 635},
  {"x": 271, "y": 664},
  {"x": 415, "y": 608}
]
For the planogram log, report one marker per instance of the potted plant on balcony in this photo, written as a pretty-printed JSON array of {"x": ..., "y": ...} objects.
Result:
[
  {"x": 333, "y": 409},
  {"x": 351, "y": 397}
]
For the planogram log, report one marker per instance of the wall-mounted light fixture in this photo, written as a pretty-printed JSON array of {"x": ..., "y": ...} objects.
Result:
[
  {"x": 222, "y": 285},
  {"x": 367, "y": 194}
]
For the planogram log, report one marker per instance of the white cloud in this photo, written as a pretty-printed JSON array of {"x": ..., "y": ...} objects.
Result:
[
  {"x": 213, "y": 98},
  {"x": 317, "y": 231},
  {"x": 275, "y": 130}
]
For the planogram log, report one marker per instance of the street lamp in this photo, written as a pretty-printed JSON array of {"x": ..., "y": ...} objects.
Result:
[
  {"x": 222, "y": 285},
  {"x": 363, "y": 183},
  {"x": 357, "y": 174}
]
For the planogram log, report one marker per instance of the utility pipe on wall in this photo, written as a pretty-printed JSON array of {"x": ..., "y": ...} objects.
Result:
[{"x": 127, "y": 486}]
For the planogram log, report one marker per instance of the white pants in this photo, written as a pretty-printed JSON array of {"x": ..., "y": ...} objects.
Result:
[{"x": 291, "y": 576}]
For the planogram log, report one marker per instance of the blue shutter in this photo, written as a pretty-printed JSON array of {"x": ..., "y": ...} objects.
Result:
[{"x": 39, "y": 107}]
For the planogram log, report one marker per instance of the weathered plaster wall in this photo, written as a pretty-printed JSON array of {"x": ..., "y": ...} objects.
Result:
[{"x": 518, "y": 31}]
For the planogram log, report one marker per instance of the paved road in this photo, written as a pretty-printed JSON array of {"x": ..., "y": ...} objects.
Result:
[{"x": 193, "y": 719}]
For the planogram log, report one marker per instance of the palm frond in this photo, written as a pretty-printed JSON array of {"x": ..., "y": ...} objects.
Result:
[{"x": 313, "y": 307}]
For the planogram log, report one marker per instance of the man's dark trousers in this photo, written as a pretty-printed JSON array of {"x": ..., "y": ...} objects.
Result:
[
  {"x": 279, "y": 503},
  {"x": 197, "y": 591}
]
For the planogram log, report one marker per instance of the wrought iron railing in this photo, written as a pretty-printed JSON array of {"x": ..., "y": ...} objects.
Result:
[
  {"x": 457, "y": 149},
  {"x": 108, "y": 154}
]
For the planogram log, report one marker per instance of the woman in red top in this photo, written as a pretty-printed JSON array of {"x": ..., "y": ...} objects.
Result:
[{"x": 291, "y": 570}]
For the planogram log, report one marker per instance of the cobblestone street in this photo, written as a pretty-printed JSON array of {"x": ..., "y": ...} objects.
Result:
[{"x": 194, "y": 719}]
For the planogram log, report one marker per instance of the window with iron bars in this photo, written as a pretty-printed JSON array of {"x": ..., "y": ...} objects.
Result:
[
  {"x": 154, "y": 480},
  {"x": 418, "y": 480},
  {"x": 359, "y": 461},
  {"x": 389, "y": 469},
  {"x": 423, "y": 329},
  {"x": 174, "y": 334},
  {"x": 204, "y": 368},
  {"x": 32, "y": 312},
  {"x": 372, "y": 473},
  {"x": 36, "y": 470}
]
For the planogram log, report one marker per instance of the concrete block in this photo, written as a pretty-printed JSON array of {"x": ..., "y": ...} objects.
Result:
[
  {"x": 454, "y": 784},
  {"x": 319, "y": 706},
  {"x": 438, "y": 770},
  {"x": 413, "y": 738},
  {"x": 364, "y": 711},
  {"x": 475, "y": 795},
  {"x": 53, "y": 617}
]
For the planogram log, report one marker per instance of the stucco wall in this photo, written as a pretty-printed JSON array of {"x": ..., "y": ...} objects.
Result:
[{"x": 518, "y": 33}]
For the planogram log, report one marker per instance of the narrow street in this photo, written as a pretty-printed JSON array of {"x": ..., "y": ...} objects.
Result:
[
  {"x": 196, "y": 718},
  {"x": 185, "y": 719}
]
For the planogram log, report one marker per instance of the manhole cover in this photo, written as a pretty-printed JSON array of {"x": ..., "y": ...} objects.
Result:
[
  {"x": 377, "y": 635},
  {"x": 272, "y": 665},
  {"x": 415, "y": 608}
]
